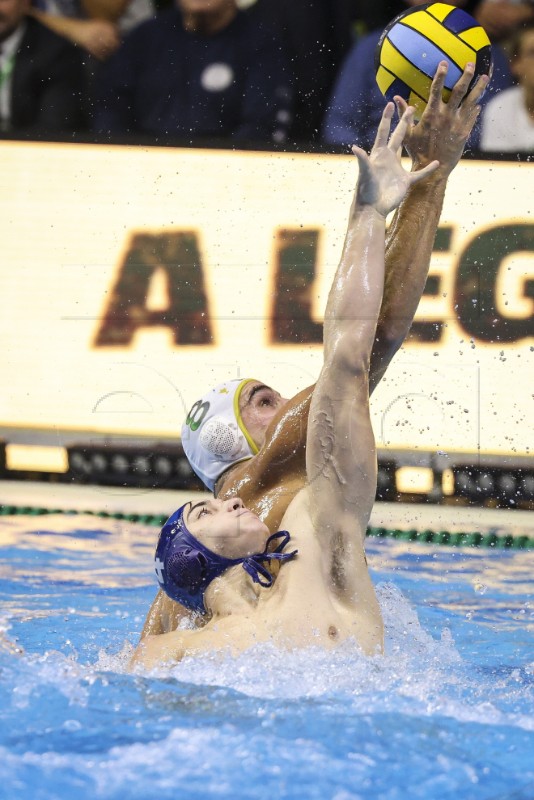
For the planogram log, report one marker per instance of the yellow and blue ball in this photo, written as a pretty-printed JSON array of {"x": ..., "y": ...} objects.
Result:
[{"x": 413, "y": 44}]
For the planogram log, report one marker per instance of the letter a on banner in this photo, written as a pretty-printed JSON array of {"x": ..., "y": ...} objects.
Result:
[{"x": 187, "y": 313}]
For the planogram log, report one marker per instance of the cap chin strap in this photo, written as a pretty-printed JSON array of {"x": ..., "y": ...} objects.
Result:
[{"x": 254, "y": 566}]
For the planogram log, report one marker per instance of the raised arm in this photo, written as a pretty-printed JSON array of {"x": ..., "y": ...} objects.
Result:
[
  {"x": 440, "y": 135},
  {"x": 340, "y": 449}
]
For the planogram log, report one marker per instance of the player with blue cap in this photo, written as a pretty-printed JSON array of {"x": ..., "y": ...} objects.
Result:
[
  {"x": 243, "y": 438},
  {"x": 325, "y": 596},
  {"x": 185, "y": 567}
]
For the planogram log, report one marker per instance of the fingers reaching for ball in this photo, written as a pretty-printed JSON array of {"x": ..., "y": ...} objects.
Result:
[
  {"x": 463, "y": 91},
  {"x": 398, "y": 135},
  {"x": 382, "y": 179},
  {"x": 447, "y": 103},
  {"x": 461, "y": 87},
  {"x": 422, "y": 37},
  {"x": 436, "y": 90},
  {"x": 444, "y": 126},
  {"x": 474, "y": 95},
  {"x": 383, "y": 138},
  {"x": 384, "y": 127}
]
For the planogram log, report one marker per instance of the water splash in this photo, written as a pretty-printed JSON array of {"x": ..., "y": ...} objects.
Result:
[
  {"x": 430, "y": 718},
  {"x": 418, "y": 675}
]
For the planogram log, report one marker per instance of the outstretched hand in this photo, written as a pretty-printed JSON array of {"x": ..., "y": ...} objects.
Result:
[
  {"x": 382, "y": 180},
  {"x": 444, "y": 128}
]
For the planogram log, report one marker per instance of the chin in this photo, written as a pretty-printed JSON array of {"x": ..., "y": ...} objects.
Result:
[
  {"x": 258, "y": 536},
  {"x": 256, "y": 529},
  {"x": 261, "y": 527}
]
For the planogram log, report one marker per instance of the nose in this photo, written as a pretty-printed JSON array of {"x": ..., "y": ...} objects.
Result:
[{"x": 234, "y": 503}]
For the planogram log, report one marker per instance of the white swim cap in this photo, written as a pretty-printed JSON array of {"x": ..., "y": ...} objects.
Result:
[{"x": 214, "y": 436}]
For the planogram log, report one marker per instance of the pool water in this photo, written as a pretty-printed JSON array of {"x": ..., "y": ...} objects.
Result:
[{"x": 446, "y": 714}]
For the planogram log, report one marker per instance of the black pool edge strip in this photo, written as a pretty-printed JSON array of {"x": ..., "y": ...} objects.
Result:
[{"x": 443, "y": 537}]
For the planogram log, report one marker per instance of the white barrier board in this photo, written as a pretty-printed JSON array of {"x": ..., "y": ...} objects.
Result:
[{"x": 132, "y": 279}]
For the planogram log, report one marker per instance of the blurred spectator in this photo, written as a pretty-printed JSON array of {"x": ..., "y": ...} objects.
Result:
[
  {"x": 373, "y": 14},
  {"x": 42, "y": 83},
  {"x": 203, "y": 68},
  {"x": 501, "y": 18},
  {"x": 94, "y": 25},
  {"x": 508, "y": 119},
  {"x": 317, "y": 36},
  {"x": 356, "y": 105}
]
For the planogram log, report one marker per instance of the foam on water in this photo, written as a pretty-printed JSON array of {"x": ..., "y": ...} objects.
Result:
[
  {"x": 418, "y": 675},
  {"x": 430, "y": 719}
]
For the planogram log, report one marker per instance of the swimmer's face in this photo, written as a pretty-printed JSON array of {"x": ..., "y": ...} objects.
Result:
[
  {"x": 226, "y": 527},
  {"x": 258, "y": 404}
]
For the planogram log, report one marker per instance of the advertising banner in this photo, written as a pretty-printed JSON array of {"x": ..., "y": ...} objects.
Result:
[{"x": 135, "y": 278}]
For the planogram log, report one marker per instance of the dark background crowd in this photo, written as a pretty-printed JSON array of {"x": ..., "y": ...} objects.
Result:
[{"x": 293, "y": 74}]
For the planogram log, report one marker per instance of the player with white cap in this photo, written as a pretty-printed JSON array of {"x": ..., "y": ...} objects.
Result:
[{"x": 265, "y": 432}]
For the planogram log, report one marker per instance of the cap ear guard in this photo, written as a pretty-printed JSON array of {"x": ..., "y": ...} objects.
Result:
[
  {"x": 184, "y": 567},
  {"x": 188, "y": 568},
  {"x": 220, "y": 438}
]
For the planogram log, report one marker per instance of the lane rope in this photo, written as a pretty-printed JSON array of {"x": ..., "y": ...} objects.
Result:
[{"x": 443, "y": 537}]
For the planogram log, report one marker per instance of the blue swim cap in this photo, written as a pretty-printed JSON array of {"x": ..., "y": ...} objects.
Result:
[{"x": 185, "y": 568}]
